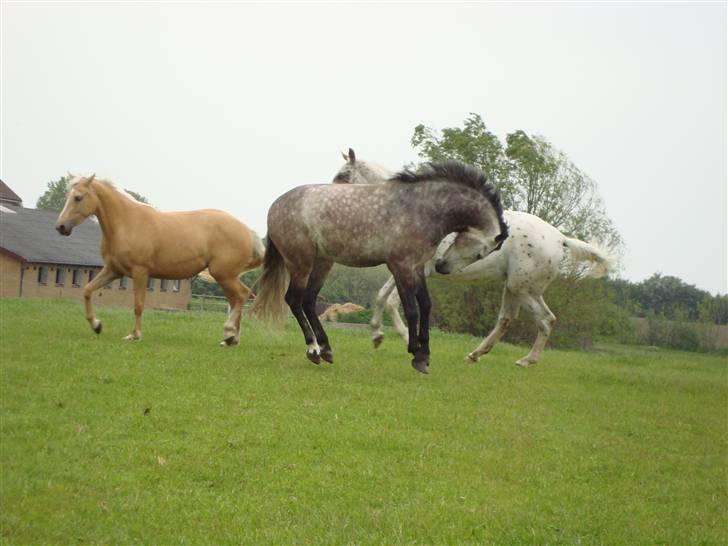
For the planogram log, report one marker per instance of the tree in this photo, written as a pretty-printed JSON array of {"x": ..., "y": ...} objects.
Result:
[
  {"x": 670, "y": 297},
  {"x": 139, "y": 197},
  {"x": 531, "y": 175},
  {"x": 55, "y": 195}
]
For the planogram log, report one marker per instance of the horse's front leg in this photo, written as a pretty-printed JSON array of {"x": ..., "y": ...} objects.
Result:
[
  {"x": 379, "y": 303},
  {"x": 140, "y": 291},
  {"x": 425, "y": 305},
  {"x": 104, "y": 277},
  {"x": 388, "y": 299},
  {"x": 406, "y": 287},
  {"x": 510, "y": 304}
]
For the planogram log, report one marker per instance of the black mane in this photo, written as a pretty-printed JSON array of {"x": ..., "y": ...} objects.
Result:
[{"x": 459, "y": 173}]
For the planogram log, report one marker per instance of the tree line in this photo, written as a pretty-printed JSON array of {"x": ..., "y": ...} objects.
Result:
[{"x": 534, "y": 176}]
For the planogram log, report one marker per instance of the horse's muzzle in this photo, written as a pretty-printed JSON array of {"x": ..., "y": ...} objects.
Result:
[
  {"x": 63, "y": 229},
  {"x": 442, "y": 267}
]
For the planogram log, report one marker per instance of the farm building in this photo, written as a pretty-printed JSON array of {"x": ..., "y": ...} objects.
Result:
[{"x": 35, "y": 261}]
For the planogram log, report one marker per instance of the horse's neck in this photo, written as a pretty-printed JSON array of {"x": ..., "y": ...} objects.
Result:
[
  {"x": 114, "y": 209},
  {"x": 457, "y": 209}
]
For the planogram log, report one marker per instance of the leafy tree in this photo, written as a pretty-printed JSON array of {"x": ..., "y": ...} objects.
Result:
[
  {"x": 714, "y": 310},
  {"x": 669, "y": 297},
  {"x": 55, "y": 195},
  {"x": 139, "y": 197},
  {"x": 530, "y": 173}
]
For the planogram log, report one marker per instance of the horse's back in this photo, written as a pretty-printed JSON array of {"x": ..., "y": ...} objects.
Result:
[{"x": 204, "y": 238}]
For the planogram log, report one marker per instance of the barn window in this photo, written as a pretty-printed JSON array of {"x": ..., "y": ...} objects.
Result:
[
  {"x": 176, "y": 285},
  {"x": 150, "y": 283},
  {"x": 76, "y": 278},
  {"x": 60, "y": 276},
  {"x": 123, "y": 282},
  {"x": 91, "y": 274},
  {"x": 163, "y": 283},
  {"x": 42, "y": 275}
]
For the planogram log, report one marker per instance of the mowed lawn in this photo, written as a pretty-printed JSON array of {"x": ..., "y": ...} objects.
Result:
[{"x": 174, "y": 440}]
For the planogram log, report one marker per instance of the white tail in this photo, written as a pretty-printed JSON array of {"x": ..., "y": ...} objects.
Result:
[{"x": 602, "y": 262}]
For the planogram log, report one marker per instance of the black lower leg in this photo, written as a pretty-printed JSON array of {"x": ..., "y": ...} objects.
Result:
[
  {"x": 425, "y": 305},
  {"x": 309, "y": 308},
  {"x": 294, "y": 299}
]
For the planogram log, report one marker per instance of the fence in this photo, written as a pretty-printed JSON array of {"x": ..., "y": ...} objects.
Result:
[{"x": 205, "y": 302}]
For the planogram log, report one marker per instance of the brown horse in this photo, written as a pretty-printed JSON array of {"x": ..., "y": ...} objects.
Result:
[
  {"x": 141, "y": 242},
  {"x": 399, "y": 223}
]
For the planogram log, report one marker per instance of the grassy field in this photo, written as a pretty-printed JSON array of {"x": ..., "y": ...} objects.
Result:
[{"x": 174, "y": 440}]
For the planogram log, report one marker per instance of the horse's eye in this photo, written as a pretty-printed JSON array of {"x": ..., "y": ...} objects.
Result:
[{"x": 78, "y": 198}]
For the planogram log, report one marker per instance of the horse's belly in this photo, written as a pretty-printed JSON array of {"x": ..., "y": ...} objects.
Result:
[{"x": 178, "y": 268}]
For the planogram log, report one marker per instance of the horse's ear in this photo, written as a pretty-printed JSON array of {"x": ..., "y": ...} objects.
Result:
[
  {"x": 346, "y": 157},
  {"x": 352, "y": 156},
  {"x": 90, "y": 178}
]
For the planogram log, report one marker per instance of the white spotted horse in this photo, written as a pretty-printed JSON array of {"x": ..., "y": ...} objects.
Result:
[{"x": 531, "y": 258}]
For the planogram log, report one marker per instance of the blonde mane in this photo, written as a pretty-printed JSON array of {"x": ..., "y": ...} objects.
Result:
[{"x": 75, "y": 179}]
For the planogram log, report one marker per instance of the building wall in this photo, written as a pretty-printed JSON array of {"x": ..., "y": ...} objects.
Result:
[
  {"x": 9, "y": 276},
  {"x": 42, "y": 284}
]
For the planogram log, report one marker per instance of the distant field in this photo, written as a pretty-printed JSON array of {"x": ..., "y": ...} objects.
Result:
[{"x": 174, "y": 440}]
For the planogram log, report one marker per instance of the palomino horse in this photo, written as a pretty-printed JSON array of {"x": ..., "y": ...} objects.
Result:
[
  {"x": 141, "y": 242},
  {"x": 530, "y": 259},
  {"x": 399, "y": 223}
]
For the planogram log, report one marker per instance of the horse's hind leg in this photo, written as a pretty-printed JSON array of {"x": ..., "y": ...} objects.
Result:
[
  {"x": 294, "y": 298},
  {"x": 237, "y": 294},
  {"x": 140, "y": 292},
  {"x": 387, "y": 298},
  {"x": 104, "y": 277},
  {"x": 508, "y": 313},
  {"x": 315, "y": 282},
  {"x": 544, "y": 320}
]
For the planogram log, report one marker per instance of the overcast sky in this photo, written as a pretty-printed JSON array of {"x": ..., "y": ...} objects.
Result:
[{"x": 228, "y": 105}]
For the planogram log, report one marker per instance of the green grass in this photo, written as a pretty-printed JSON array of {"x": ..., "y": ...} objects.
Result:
[{"x": 254, "y": 445}]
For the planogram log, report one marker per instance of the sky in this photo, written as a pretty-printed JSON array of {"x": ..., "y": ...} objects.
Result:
[{"x": 228, "y": 105}]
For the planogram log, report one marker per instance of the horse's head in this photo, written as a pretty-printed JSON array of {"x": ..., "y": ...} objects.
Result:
[
  {"x": 81, "y": 202},
  {"x": 360, "y": 172},
  {"x": 467, "y": 247},
  {"x": 483, "y": 230}
]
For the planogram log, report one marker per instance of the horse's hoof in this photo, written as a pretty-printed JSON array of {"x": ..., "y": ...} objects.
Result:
[
  {"x": 328, "y": 356},
  {"x": 131, "y": 337},
  {"x": 422, "y": 366},
  {"x": 377, "y": 340},
  {"x": 525, "y": 363},
  {"x": 229, "y": 341},
  {"x": 314, "y": 357},
  {"x": 97, "y": 327},
  {"x": 471, "y": 358}
]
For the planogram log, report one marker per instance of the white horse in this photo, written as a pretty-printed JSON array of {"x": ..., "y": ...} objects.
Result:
[{"x": 529, "y": 260}]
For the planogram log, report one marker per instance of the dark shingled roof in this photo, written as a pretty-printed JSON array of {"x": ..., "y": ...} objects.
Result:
[
  {"x": 31, "y": 234},
  {"x": 6, "y": 194}
]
